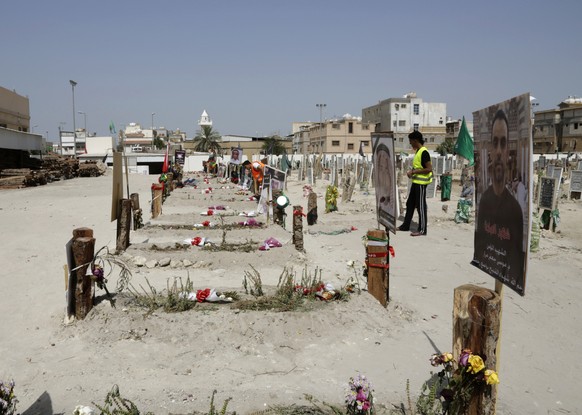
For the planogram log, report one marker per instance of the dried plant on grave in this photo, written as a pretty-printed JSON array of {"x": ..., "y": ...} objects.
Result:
[
  {"x": 115, "y": 404},
  {"x": 213, "y": 410},
  {"x": 292, "y": 294},
  {"x": 174, "y": 299},
  {"x": 252, "y": 282},
  {"x": 105, "y": 259}
]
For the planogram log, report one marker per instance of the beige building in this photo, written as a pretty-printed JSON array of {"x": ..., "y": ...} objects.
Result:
[
  {"x": 559, "y": 130},
  {"x": 335, "y": 136},
  {"x": 14, "y": 111},
  {"x": 404, "y": 115}
]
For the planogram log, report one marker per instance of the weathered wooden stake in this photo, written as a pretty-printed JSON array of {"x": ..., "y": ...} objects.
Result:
[
  {"x": 312, "y": 208},
  {"x": 123, "y": 225},
  {"x": 476, "y": 326},
  {"x": 298, "y": 227},
  {"x": 137, "y": 212},
  {"x": 157, "y": 194},
  {"x": 83, "y": 252},
  {"x": 378, "y": 265}
]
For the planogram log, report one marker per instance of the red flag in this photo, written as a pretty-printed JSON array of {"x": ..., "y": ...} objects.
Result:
[{"x": 166, "y": 162}]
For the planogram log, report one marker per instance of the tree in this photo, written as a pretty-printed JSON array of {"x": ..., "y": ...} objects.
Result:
[
  {"x": 273, "y": 145},
  {"x": 159, "y": 143},
  {"x": 446, "y": 147},
  {"x": 207, "y": 140}
]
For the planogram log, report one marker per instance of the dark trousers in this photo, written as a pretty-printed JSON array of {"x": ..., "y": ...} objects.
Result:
[{"x": 416, "y": 201}]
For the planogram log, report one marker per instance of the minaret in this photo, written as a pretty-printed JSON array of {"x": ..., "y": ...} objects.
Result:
[{"x": 205, "y": 120}]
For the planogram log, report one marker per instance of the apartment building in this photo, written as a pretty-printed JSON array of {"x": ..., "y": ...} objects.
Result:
[
  {"x": 403, "y": 115},
  {"x": 559, "y": 130},
  {"x": 14, "y": 111},
  {"x": 334, "y": 136}
]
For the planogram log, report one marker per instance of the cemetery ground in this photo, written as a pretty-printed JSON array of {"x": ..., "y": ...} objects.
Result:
[{"x": 172, "y": 362}]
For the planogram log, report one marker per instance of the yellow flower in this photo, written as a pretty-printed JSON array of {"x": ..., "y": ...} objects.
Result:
[
  {"x": 447, "y": 357},
  {"x": 491, "y": 377},
  {"x": 476, "y": 364}
]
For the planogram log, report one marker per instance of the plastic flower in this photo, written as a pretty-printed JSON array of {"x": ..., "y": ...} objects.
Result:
[
  {"x": 476, "y": 364},
  {"x": 491, "y": 377},
  {"x": 464, "y": 357},
  {"x": 447, "y": 357}
]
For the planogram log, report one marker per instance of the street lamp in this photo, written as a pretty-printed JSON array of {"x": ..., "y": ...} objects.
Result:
[
  {"x": 153, "y": 113},
  {"x": 73, "y": 84}
]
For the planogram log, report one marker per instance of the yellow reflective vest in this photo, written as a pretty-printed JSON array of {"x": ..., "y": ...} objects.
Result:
[{"x": 417, "y": 165}]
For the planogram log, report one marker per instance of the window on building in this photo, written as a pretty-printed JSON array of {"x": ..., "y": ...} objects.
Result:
[
  {"x": 365, "y": 143},
  {"x": 403, "y": 105},
  {"x": 350, "y": 146},
  {"x": 415, "y": 127},
  {"x": 335, "y": 143},
  {"x": 416, "y": 109},
  {"x": 431, "y": 140},
  {"x": 394, "y": 123},
  {"x": 350, "y": 128},
  {"x": 336, "y": 126},
  {"x": 441, "y": 121},
  {"x": 365, "y": 127},
  {"x": 575, "y": 125},
  {"x": 401, "y": 140},
  {"x": 397, "y": 106},
  {"x": 402, "y": 123}
]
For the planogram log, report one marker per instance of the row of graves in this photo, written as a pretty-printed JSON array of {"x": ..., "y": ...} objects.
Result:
[
  {"x": 556, "y": 180},
  {"x": 241, "y": 223}
]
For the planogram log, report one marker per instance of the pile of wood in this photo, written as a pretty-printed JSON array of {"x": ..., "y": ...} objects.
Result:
[
  {"x": 17, "y": 178},
  {"x": 60, "y": 167},
  {"x": 92, "y": 169}
]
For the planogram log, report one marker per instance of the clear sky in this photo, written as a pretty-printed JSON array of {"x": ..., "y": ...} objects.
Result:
[{"x": 256, "y": 66}]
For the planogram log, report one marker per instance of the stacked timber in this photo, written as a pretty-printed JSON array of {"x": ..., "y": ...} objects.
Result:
[
  {"x": 22, "y": 177},
  {"x": 92, "y": 169},
  {"x": 60, "y": 167}
]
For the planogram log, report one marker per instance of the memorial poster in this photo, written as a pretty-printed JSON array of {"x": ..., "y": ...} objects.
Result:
[{"x": 503, "y": 176}]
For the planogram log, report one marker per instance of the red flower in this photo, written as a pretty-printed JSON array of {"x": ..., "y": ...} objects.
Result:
[
  {"x": 206, "y": 223},
  {"x": 202, "y": 295},
  {"x": 196, "y": 241},
  {"x": 210, "y": 212}
]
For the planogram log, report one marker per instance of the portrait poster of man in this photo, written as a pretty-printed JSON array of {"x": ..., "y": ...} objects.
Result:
[
  {"x": 236, "y": 154},
  {"x": 180, "y": 156},
  {"x": 277, "y": 177},
  {"x": 384, "y": 174},
  {"x": 503, "y": 173}
]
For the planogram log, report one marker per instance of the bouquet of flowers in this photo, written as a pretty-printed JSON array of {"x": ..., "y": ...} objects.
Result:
[
  {"x": 359, "y": 400},
  {"x": 7, "y": 398},
  {"x": 462, "y": 379}
]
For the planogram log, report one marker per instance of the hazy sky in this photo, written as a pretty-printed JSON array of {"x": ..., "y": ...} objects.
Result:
[{"x": 257, "y": 66}]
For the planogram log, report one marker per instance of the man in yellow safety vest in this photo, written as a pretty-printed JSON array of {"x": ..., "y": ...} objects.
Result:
[{"x": 421, "y": 175}]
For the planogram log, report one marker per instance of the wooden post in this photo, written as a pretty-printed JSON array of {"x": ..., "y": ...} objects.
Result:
[
  {"x": 137, "y": 212},
  {"x": 83, "y": 252},
  {"x": 157, "y": 194},
  {"x": 377, "y": 264},
  {"x": 123, "y": 225},
  {"x": 312, "y": 208},
  {"x": 477, "y": 326},
  {"x": 298, "y": 227}
]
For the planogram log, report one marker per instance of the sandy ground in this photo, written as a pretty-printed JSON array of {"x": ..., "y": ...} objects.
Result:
[{"x": 170, "y": 363}]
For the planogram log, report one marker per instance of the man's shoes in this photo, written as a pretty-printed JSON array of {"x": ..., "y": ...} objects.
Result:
[
  {"x": 417, "y": 234},
  {"x": 403, "y": 229}
]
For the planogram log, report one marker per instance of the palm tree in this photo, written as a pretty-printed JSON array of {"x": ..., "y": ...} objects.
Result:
[
  {"x": 273, "y": 145},
  {"x": 207, "y": 140}
]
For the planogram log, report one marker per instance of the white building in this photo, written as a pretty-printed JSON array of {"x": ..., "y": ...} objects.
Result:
[{"x": 406, "y": 114}]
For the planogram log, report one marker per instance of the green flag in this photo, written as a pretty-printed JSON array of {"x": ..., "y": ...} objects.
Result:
[
  {"x": 464, "y": 145},
  {"x": 112, "y": 127}
]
